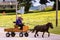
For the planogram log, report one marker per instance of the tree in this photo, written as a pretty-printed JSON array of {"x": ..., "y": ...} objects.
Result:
[
  {"x": 3, "y": 0},
  {"x": 26, "y": 3},
  {"x": 43, "y": 1},
  {"x": 54, "y": 6}
]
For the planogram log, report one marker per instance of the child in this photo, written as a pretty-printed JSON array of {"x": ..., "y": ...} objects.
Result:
[{"x": 19, "y": 22}]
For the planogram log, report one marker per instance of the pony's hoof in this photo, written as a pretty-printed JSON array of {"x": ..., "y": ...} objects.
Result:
[
  {"x": 48, "y": 35},
  {"x": 42, "y": 36},
  {"x": 35, "y": 36}
]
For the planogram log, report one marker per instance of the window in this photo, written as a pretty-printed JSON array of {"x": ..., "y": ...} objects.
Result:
[
  {"x": 11, "y": 0},
  {"x": 1, "y": 0}
]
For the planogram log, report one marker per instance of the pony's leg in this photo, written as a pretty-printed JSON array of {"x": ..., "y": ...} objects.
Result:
[
  {"x": 35, "y": 33},
  {"x": 48, "y": 34},
  {"x": 43, "y": 34}
]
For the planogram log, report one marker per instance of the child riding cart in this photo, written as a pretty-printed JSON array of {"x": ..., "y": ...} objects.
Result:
[{"x": 11, "y": 31}]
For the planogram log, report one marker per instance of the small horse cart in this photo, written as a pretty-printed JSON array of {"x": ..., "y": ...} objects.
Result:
[{"x": 11, "y": 31}]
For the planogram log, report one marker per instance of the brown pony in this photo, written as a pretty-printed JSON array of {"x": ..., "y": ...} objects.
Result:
[{"x": 42, "y": 28}]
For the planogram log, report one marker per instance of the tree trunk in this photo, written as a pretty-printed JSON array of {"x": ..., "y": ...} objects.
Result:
[{"x": 27, "y": 6}]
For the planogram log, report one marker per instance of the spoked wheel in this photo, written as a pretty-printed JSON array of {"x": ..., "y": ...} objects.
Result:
[
  {"x": 26, "y": 34},
  {"x": 7, "y": 34},
  {"x": 21, "y": 34},
  {"x": 12, "y": 34}
]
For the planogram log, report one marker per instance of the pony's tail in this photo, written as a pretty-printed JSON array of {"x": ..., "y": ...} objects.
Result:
[{"x": 33, "y": 30}]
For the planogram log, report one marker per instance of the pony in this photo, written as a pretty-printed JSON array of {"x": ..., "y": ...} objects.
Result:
[{"x": 42, "y": 28}]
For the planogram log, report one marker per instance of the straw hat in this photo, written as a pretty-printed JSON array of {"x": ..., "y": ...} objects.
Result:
[{"x": 20, "y": 18}]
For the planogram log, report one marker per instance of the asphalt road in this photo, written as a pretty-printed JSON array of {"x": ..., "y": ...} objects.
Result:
[{"x": 30, "y": 37}]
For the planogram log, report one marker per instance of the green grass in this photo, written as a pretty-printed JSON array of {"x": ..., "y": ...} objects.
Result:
[{"x": 32, "y": 19}]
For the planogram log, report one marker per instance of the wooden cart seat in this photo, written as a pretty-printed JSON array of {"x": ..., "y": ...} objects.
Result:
[{"x": 16, "y": 29}]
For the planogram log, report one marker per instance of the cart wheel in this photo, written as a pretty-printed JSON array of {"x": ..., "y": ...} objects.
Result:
[
  {"x": 12, "y": 34},
  {"x": 26, "y": 34},
  {"x": 7, "y": 34},
  {"x": 21, "y": 34}
]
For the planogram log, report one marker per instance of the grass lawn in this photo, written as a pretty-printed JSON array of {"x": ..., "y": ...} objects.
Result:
[{"x": 32, "y": 19}]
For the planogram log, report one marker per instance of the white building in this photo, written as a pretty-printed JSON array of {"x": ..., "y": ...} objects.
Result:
[{"x": 7, "y": 4}]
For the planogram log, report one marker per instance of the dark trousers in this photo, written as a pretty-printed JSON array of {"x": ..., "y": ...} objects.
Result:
[{"x": 21, "y": 26}]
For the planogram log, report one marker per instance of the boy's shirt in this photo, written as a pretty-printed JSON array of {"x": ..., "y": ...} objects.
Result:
[{"x": 18, "y": 21}]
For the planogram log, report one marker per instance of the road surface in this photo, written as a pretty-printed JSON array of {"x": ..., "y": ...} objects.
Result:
[{"x": 30, "y": 37}]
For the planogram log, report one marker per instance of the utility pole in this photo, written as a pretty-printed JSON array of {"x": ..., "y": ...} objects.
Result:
[
  {"x": 16, "y": 9},
  {"x": 56, "y": 13}
]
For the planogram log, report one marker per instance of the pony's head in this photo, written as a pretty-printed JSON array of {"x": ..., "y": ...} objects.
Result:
[{"x": 50, "y": 25}]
